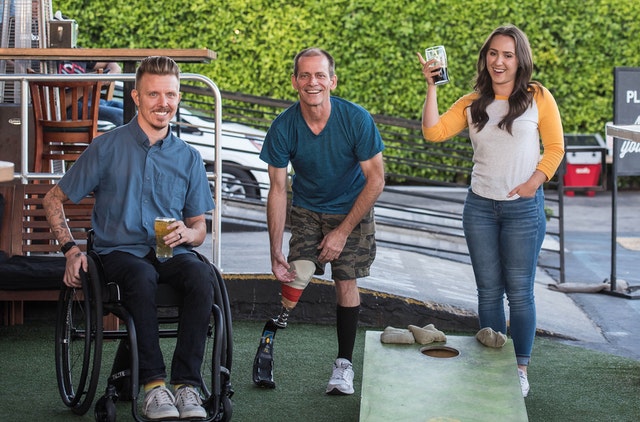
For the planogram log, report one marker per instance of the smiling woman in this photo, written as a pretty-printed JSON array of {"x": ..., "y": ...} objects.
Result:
[{"x": 506, "y": 115}]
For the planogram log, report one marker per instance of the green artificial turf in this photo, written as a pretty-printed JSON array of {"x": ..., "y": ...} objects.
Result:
[{"x": 568, "y": 383}]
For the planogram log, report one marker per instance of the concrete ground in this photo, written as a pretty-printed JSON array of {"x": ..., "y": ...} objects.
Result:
[{"x": 595, "y": 320}]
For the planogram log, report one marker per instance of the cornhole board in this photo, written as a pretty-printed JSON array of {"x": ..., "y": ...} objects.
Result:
[{"x": 402, "y": 383}]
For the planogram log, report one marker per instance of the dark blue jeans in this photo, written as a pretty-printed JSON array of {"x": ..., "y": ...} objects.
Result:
[
  {"x": 504, "y": 240},
  {"x": 138, "y": 279},
  {"x": 110, "y": 111}
]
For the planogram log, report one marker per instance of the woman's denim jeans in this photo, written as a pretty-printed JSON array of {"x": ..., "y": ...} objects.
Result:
[
  {"x": 138, "y": 279},
  {"x": 504, "y": 240}
]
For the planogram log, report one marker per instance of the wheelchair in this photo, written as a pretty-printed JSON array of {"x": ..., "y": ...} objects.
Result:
[{"x": 79, "y": 346}]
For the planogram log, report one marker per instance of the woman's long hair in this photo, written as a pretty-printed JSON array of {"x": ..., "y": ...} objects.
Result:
[{"x": 522, "y": 95}]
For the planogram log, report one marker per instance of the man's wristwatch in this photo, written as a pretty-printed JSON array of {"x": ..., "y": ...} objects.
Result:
[{"x": 67, "y": 246}]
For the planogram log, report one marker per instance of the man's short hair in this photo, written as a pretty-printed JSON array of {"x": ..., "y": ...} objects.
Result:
[
  {"x": 157, "y": 65},
  {"x": 314, "y": 51}
]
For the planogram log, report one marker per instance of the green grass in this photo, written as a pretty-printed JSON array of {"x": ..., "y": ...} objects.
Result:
[{"x": 567, "y": 383}]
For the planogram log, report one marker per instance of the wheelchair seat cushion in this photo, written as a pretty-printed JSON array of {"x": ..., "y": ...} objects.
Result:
[{"x": 31, "y": 272}]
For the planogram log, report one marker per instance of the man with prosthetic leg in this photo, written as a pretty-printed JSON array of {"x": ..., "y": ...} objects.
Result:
[{"x": 335, "y": 150}]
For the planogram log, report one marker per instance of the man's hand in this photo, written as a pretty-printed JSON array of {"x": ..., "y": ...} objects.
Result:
[
  {"x": 179, "y": 234},
  {"x": 281, "y": 269},
  {"x": 190, "y": 232},
  {"x": 332, "y": 245},
  {"x": 75, "y": 261}
]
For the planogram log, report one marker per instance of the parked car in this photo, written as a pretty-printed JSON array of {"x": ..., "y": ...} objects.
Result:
[{"x": 244, "y": 174}]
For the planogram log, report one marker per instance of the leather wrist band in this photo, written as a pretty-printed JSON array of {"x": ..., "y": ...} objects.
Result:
[{"x": 67, "y": 246}]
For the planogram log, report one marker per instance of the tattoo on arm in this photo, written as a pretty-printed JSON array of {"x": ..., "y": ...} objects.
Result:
[{"x": 55, "y": 215}]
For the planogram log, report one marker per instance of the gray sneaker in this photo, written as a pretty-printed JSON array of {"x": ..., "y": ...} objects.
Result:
[
  {"x": 341, "y": 381},
  {"x": 189, "y": 403},
  {"x": 158, "y": 404}
]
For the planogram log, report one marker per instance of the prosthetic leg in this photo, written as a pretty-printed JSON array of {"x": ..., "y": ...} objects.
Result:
[{"x": 291, "y": 292}]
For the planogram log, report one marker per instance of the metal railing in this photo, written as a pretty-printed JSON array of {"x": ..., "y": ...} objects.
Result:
[
  {"x": 414, "y": 201},
  {"x": 215, "y": 111},
  {"x": 416, "y": 211}
]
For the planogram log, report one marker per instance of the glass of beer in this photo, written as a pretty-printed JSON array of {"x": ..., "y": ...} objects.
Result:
[
  {"x": 160, "y": 226},
  {"x": 438, "y": 52}
]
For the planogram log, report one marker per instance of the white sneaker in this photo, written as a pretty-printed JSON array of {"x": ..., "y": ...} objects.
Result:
[
  {"x": 189, "y": 403},
  {"x": 341, "y": 381},
  {"x": 158, "y": 404},
  {"x": 524, "y": 382}
]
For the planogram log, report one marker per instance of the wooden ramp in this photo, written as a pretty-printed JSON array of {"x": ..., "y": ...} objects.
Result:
[{"x": 401, "y": 383}]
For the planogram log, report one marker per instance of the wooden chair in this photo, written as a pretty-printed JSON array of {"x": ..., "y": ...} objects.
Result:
[
  {"x": 27, "y": 234},
  {"x": 108, "y": 89},
  {"x": 60, "y": 133}
]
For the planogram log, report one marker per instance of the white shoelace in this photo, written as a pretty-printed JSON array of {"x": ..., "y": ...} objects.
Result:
[
  {"x": 339, "y": 371},
  {"x": 160, "y": 396},
  {"x": 188, "y": 396}
]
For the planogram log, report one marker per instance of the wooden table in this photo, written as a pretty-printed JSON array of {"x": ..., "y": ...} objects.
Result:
[
  {"x": 128, "y": 56},
  {"x": 6, "y": 171}
]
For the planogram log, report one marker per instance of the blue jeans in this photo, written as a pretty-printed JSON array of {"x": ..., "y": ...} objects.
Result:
[
  {"x": 110, "y": 111},
  {"x": 138, "y": 279},
  {"x": 504, "y": 240}
]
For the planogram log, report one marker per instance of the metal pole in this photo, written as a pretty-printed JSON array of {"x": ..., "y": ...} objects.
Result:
[
  {"x": 24, "y": 130},
  {"x": 563, "y": 167},
  {"x": 614, "y": 214}
]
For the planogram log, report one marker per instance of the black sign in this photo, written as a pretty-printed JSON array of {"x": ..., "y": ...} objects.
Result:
[{"x": 626, "y": 111}]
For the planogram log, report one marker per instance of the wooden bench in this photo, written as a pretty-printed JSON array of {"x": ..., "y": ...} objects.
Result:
[{"x": 25, "y": 232}]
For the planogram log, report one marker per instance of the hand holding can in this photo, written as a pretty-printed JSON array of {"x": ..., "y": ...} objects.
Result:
[{"x": 440, "y": 55}]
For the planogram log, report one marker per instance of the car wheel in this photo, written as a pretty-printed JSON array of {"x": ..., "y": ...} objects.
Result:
[{"x": 237, "y": 182}]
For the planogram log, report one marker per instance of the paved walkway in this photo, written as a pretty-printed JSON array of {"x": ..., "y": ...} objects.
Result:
[{"x": 595, "y": 320}]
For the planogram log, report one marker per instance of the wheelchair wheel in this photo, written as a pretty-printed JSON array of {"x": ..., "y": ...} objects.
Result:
[
  {"x": 78, "y": 346},
  {"x": 105, "y": 410},
  {"x": 226, "y": 410},
  {"x": 217, "y": 370}
]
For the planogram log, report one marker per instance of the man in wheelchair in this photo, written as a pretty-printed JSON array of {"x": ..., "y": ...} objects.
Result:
[{"x": 138, "y": 172}]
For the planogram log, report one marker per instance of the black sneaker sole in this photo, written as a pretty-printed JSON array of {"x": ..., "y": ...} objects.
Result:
[{"x": 337, "y": 392}]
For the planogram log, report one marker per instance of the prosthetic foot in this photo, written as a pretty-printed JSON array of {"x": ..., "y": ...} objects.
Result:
[{"x": 263, "y": 362}]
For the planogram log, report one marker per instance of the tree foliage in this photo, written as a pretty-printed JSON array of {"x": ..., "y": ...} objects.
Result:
[{"x": 576, "y": 44}]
